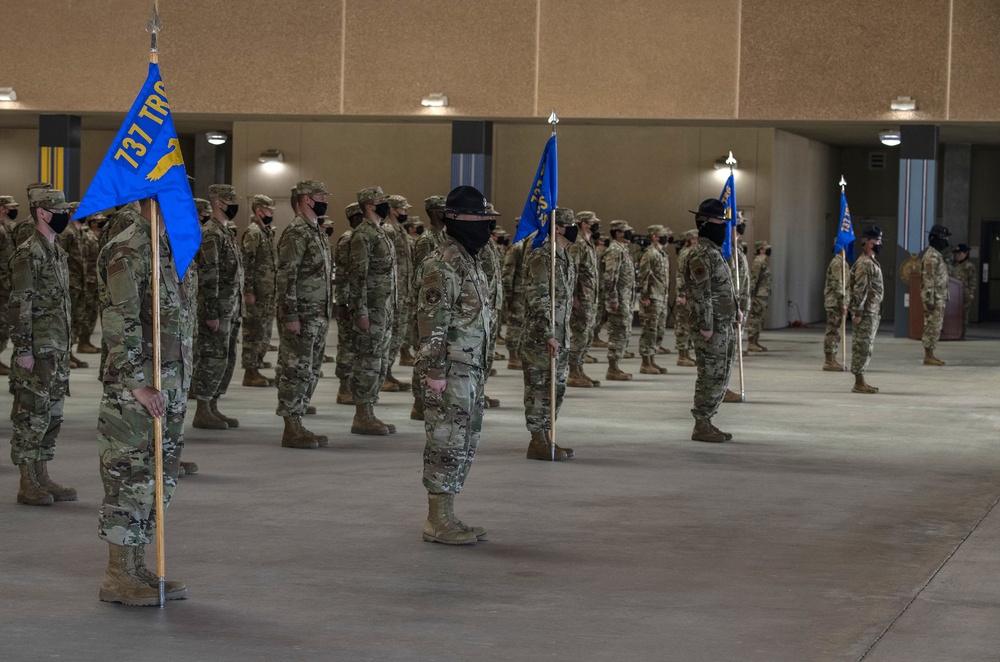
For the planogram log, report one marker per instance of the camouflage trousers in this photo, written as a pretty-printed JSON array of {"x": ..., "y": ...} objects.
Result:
[
  {"x": 862, "y": 341},
  {"x": 77, "y": 307},
  {"x": 400, "y": 327},
  {"x": 345, "y": 345},
  {"x": 38, "y": 407},
  {"x": 453, "y": 420},
  {"x": 755, "y": 320},
  {"x": 714, "y": 358},
  {"x": 258, "y": 322},
  {"x": 371, "y": 357},
  {"x": 300, "y": 358},
  {"x": 933, "y": 321},
  {"x": 491, "y": 341},
  {"x": 831, "y": 340},
  {"x": 966, "y": 311},
  {"x": 619, "y": 331},
  {"x": 4, "y": 328},
  {"x": 215, "y": 359},
  {"x": 581, "y": 323},
  {"x": 538, "y": 385},
  {"x": 654, "y": 325},
  {"x": 682, "y": 327},
  {"x": 515, "y": 318},
  {"x": 128, "y": 462},
  {"x": 88, "y": 321}
]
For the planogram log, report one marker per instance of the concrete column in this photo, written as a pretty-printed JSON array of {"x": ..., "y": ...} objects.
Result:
[
  {"x": 59, "y": 153},
  {"x": 955, "y": 192},
  {"x": 472, "y": 155}
]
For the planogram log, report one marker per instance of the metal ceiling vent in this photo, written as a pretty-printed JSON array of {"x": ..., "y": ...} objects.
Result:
[{"x": 876, "y": 160}]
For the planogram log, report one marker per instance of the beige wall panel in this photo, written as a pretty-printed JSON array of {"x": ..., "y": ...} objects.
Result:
[
  {"x": 639, "y": 58},
  {"x": 975, "y": 78},
  {"x": 93, "y": 147},
  {"x": 815, "y": 59},
  {"x": 19, "y": 165},
  {"x": 398, "y": 52}
]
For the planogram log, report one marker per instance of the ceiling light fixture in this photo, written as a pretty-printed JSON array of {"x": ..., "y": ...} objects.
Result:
[
  {"x": 216, "y": 137},
  {"x": 434, "y": 100},
  {"x": 903, "y": 103},
  {"x": 889, "y": 137},
  {"x": 8, "y": 94}
]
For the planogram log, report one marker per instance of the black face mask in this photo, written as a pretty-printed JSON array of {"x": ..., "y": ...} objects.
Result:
[
  {"x": 671, "y": 239},
  {"x": 493, "y": 224},
  {"x": 473, "y": 235},
  {"x": 595, "y": 234},
  {"x": 767, "y": 252},
  {"x": 677, "y": 248},
  {"x": 714, "y": 232},
  {"x": 502, "y": 241},
  {"x": 571, "y": 233},
  {"x": 59, "y": 221},
  {"x": 12, "y": 214},
  {"x": 939, "y": 243},
  {"x": 266, "y": 220},
  {"x": 876, "y": 248},
  {"x": 741, "y": 228},
  {"x": 420, "y": 229},
  {"x": 744, "y": 249},
  {"x": 628, "y": 235},
  {"x": 230, "y": 211},
  {"x": 402, "y": 218},
  {"x": 663, "y": 240},
  {"x": 319, "y": 208},
  {"x": 100, "y": 226},
  {"x": 202, "y": 219},
  {"x": 329, "y": 231},
  {"x": 381, "y": 209}
]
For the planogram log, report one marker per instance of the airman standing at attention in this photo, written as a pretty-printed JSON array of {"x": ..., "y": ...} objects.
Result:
[
  {"x": 934, "y": 290},
  {"x": 25, "y": 228},
  {"x": 304, "y": 297},
  {"x": 838, "y": 281},
  {"x": 426, "y": 244},
  {"x": 492, "y": 265},
  {"x": 72, "y": 241},
  {"x": 653, "y": 290},
  {"x": 8, "y": 212},
  {"x": 402, "y": 318},
  {"x": 91, "y": 302},
  {"x": 373, "y": 306},
  {"x": 965, "y": 271},
  {"x": 342, "y": 291},
  {"x": 867, "y": 291},
  {"x": 220, "y": 307},
  {"x": 760, "y": 292},
  {"x": 414, "y": 228},
  {"x": 513, "y": 284},
  {"x": 682, "y": 311},
  {"x": 618, "y": 289},
  {"x": 585, "y": 299},
  {"x": 258, "y": 254}
]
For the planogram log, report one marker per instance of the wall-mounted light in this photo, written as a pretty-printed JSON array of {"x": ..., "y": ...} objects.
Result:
[
  {"x": 8, "y": 94},
  {"x": 903, "y": 103},
  {"x": 724, "y": 163},
  {"x": 271, "y": 156},
  {"x": 434, "y": 100},
  {"x": 889, "y": 137},
  {"x": 216, "y": 137}
]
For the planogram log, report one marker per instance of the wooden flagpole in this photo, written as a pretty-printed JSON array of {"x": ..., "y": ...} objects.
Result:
[
  {"x": 553, "y": 120},
  {"x": 734, "y": 245},
  {"x": 843, "y": 291}
]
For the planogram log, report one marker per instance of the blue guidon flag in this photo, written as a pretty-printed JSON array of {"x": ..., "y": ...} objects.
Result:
[
  {"x": 728, "y": 198},
  {"x": 542, "y": 198},
  {"x": 145, "y": 161},
  {"x": 845, "y": 233}
]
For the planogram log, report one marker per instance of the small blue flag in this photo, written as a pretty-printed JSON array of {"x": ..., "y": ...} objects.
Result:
[
  {"x": 728, "y": 198},
  {"x": 145, "y": 161},
  {"x": 845, "y": 233},
  {"x": 542, "y": 198}
]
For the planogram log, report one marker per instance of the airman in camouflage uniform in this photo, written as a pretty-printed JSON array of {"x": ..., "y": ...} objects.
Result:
[
  {"x": 125, "y": 425},
  {"x": 934, "y": 290},
  {"x": 838, "y": 281},
  {"x": 258, "y": 254},
  {"x": 25, "y": 228},
  {"x": 454, "y": 320},
  {"x": 682, "y": 311},
  {"x": 8, "y": 212},
  {"x": 713, "y": 316},
  {"x": 342, "y": 291},
  {"x": 73, "y": 242},
  {"x": 304, "y": 293},
  {"x": 653, "y": 291},
  {"x": 740, "y": 270},
  {"x": 91, "y": 305},
  {"x": 403, "y": 318},
  {"x": 541, "y": 340},
  {"x": 965, "y": 271},
  {"x": 426, "y": 245},
  {"x": 220, "y": 308},
  {"x": 618, "y": 290},
  {"x": 760, "y": 292},
  {"x": 38, "y": 313},
  {"x": 513, "y": 286},
  {"x": 492, "y": 264},
  {"x": 586, "y": 297},
  {"x": 867, "y": 291},
  {"x": 373, "y": 302}
]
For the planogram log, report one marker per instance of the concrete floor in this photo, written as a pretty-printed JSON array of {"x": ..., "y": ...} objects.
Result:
[{"x": 834, "y": 527}]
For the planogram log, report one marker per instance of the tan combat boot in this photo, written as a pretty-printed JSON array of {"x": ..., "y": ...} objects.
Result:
[
  {"x": 861, "y": 387},
  {"x": 490, "y": 403},
  {"x": 77, "y": 363},
  {"x": 439, "y": 527},
  {"x": 830, "y": 363},
  {"x": 615, "y": 374},
  {"x": 400, "y": 385},
  {"x": 121, "y": 583},
  {"x": 755, "y": 346},
  {"x": 295, "y": 436},
  {"x": 29, "y": 492},
  {"x": 321, "y": 439},
  {"x": 576, "y": 378},
  {"x": 595, "y": 382},
  {"x": 344, "y": 395},
  {"x": 662, "y": 350},
  {"x": 188, "y": 468},
  {"x": 417, "y": 410},
  {"x": 171, "y": 590},
  {"x": 514, "y": 363},
  {"x": 252, "y": 377},
  {"x": 4, "y": 369},
  {"x": 705, "y": 431},
  {"x": 725, "y": 435},
  {"x": 588, "y": 359},
  {"x": 732, "y": 396},
  {"x": 84, "y": 346},
  {"x": 478, "y": 531},
  {"x": 364, "y": 422},
  {"x": 213, "y": 406},
  {"x": 930, "y": 359},
  {"x": 205, "y": 419},
  {"x": 597, "y": 342},
  {"x": 628, "y": 355},
  {"x": 684, "y": 359},
  {"x": 388, "y": 426},
  {"x": 405, "y": 357},
  {"x": 539, "y": 448},
  {"x": 58, "y": 492},
  {"x": 647, "y": 367}
]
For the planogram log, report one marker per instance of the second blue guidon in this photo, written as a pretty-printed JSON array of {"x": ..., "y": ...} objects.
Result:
[
  {"x": 728, "y": 198},
  {"x": 145, "y": 161},
  {"x": 542, "y": 197},
  {"x": 845, "y": 233}
]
